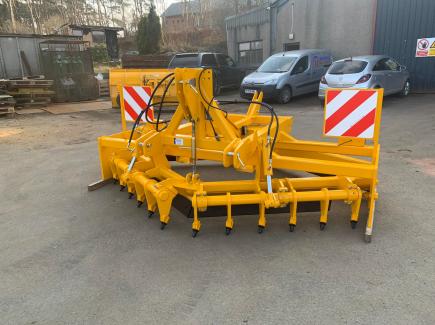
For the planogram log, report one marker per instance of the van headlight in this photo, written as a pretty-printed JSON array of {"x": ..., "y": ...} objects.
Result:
[{"x": 271, "y": 82}]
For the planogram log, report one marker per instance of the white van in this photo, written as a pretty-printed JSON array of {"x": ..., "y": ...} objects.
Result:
[{"x": 287, "y": 74}]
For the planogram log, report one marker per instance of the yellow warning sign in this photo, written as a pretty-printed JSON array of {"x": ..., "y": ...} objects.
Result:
[{"x": 433, "y": 45}]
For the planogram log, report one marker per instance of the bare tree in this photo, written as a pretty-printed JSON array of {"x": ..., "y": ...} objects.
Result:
[{"x": 11, "y": 5}]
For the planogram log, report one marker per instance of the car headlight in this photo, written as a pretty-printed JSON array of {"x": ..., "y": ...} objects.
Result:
[{"x": 271, "y": 82}]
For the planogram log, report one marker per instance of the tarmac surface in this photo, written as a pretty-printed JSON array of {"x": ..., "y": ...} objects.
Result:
[{"x": 69, "y": 256}]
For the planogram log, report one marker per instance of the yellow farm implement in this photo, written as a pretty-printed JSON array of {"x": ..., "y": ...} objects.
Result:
[
  {"x": 140, "y": 159},
  {"x": 133, "y": 77}
]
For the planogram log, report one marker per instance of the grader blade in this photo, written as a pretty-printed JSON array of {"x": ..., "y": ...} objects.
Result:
[{"x": 142, "y": 159}]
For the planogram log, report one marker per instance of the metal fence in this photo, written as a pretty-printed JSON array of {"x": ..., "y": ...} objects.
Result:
[{"x": 20, "y": 55}]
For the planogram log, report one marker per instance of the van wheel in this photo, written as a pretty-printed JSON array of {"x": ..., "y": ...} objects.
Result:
[
  {"x": 406, "y": 89},
  {"x": 285, "y": 95}
]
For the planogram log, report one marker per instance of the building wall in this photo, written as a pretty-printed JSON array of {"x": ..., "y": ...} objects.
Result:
[
  {"x": 173, "y": 24},
  {"x": 398, "y": 26},
  {"x": 247, "y": 34},
  {"x": 178, "y": 24},
  {"x": 344, "y": 27}
]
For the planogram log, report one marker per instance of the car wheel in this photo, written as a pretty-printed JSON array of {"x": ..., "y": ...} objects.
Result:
[
  {"x": 406, "y": 89},
  {"x": 285, "y": 95}
]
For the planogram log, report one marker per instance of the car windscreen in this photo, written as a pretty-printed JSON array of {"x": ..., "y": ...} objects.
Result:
[
  {"x": 277, "y": 64},
  {"x": 185, "y": 61},
  {"x": 347, "y": 67}
]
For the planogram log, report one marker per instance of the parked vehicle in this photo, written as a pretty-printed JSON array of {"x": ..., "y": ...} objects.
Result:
[
  {"x": 226, "y": 73},
  {"x": 287, "y": 74},
  {"x": 370, "y": 71}
]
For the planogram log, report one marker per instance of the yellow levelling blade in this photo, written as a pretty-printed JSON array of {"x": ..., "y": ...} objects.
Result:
[{"x": 259, "y": 144}]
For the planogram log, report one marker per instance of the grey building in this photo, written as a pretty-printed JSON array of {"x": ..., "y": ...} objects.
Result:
[{"x": 344, "y": 27}]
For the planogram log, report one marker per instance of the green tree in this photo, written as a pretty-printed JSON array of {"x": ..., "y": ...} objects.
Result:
[
  {"x": 154, "y": 29},
  {"x": 149, "y": 32},
  {"x": 142, "y": 35}
]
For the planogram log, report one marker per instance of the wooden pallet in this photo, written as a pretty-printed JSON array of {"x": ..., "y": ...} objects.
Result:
[
  {"x": 31, "y": 102},
  {"x": 7, "y": 111},
  {"x": 29, "y": 92},
  {"x": 29, "y": 83},
  {"x": 103, "y": 88}
]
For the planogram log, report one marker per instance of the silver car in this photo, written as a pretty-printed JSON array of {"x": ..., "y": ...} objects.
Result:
[
  {"x": 287, "y": 74},
  {"x": 370, "y": 71}
]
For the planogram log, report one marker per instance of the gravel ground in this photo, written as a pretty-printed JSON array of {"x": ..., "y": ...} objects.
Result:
[{"x": 68, "y": 256}]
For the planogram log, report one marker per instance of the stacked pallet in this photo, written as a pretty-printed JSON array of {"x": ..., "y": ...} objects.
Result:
[
  {"x": 7, "y": 104},
  {"x": 30, "y": 92},
  {"x": 103, "y": 88}
]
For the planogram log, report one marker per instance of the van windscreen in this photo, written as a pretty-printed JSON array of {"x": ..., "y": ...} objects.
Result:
[
  {"x": 347, "y": 67},
  {"x": 277, "y": 64}
]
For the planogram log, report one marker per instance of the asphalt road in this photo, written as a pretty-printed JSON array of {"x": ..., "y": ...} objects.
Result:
[{"x": 68, "y": 256}]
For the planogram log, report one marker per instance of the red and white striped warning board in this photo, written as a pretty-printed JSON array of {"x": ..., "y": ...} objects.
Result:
[
  {"x": 135, "y": 100},
  {"x": 351, "y": 113}
]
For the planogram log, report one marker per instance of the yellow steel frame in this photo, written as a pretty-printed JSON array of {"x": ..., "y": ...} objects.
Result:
[
  {"x": 135, "y": 77},
  {"x": 241, "y": 143}
]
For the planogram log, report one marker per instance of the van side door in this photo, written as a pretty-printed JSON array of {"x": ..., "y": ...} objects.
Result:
[{"x": 300, "y": 77}]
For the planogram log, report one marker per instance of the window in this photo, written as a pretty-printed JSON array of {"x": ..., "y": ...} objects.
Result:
[
  {"x": 245, "y": 46},
  {"x": 184, "y": 61},
  {"x": 381, "y": 65},
  {"x": 208, "y": 60},
  {"x": 392, "y": 65},
  {"x": 251, "y": 53},
  {"x": 277, "y": 64},
  {"x": 301, "y": 66},
  {"x": 347, "y": 67},
  {"x": 77, "y": 32},
  {"x": 98, "y": 36},
  {"x": 225, "y": 60}
]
